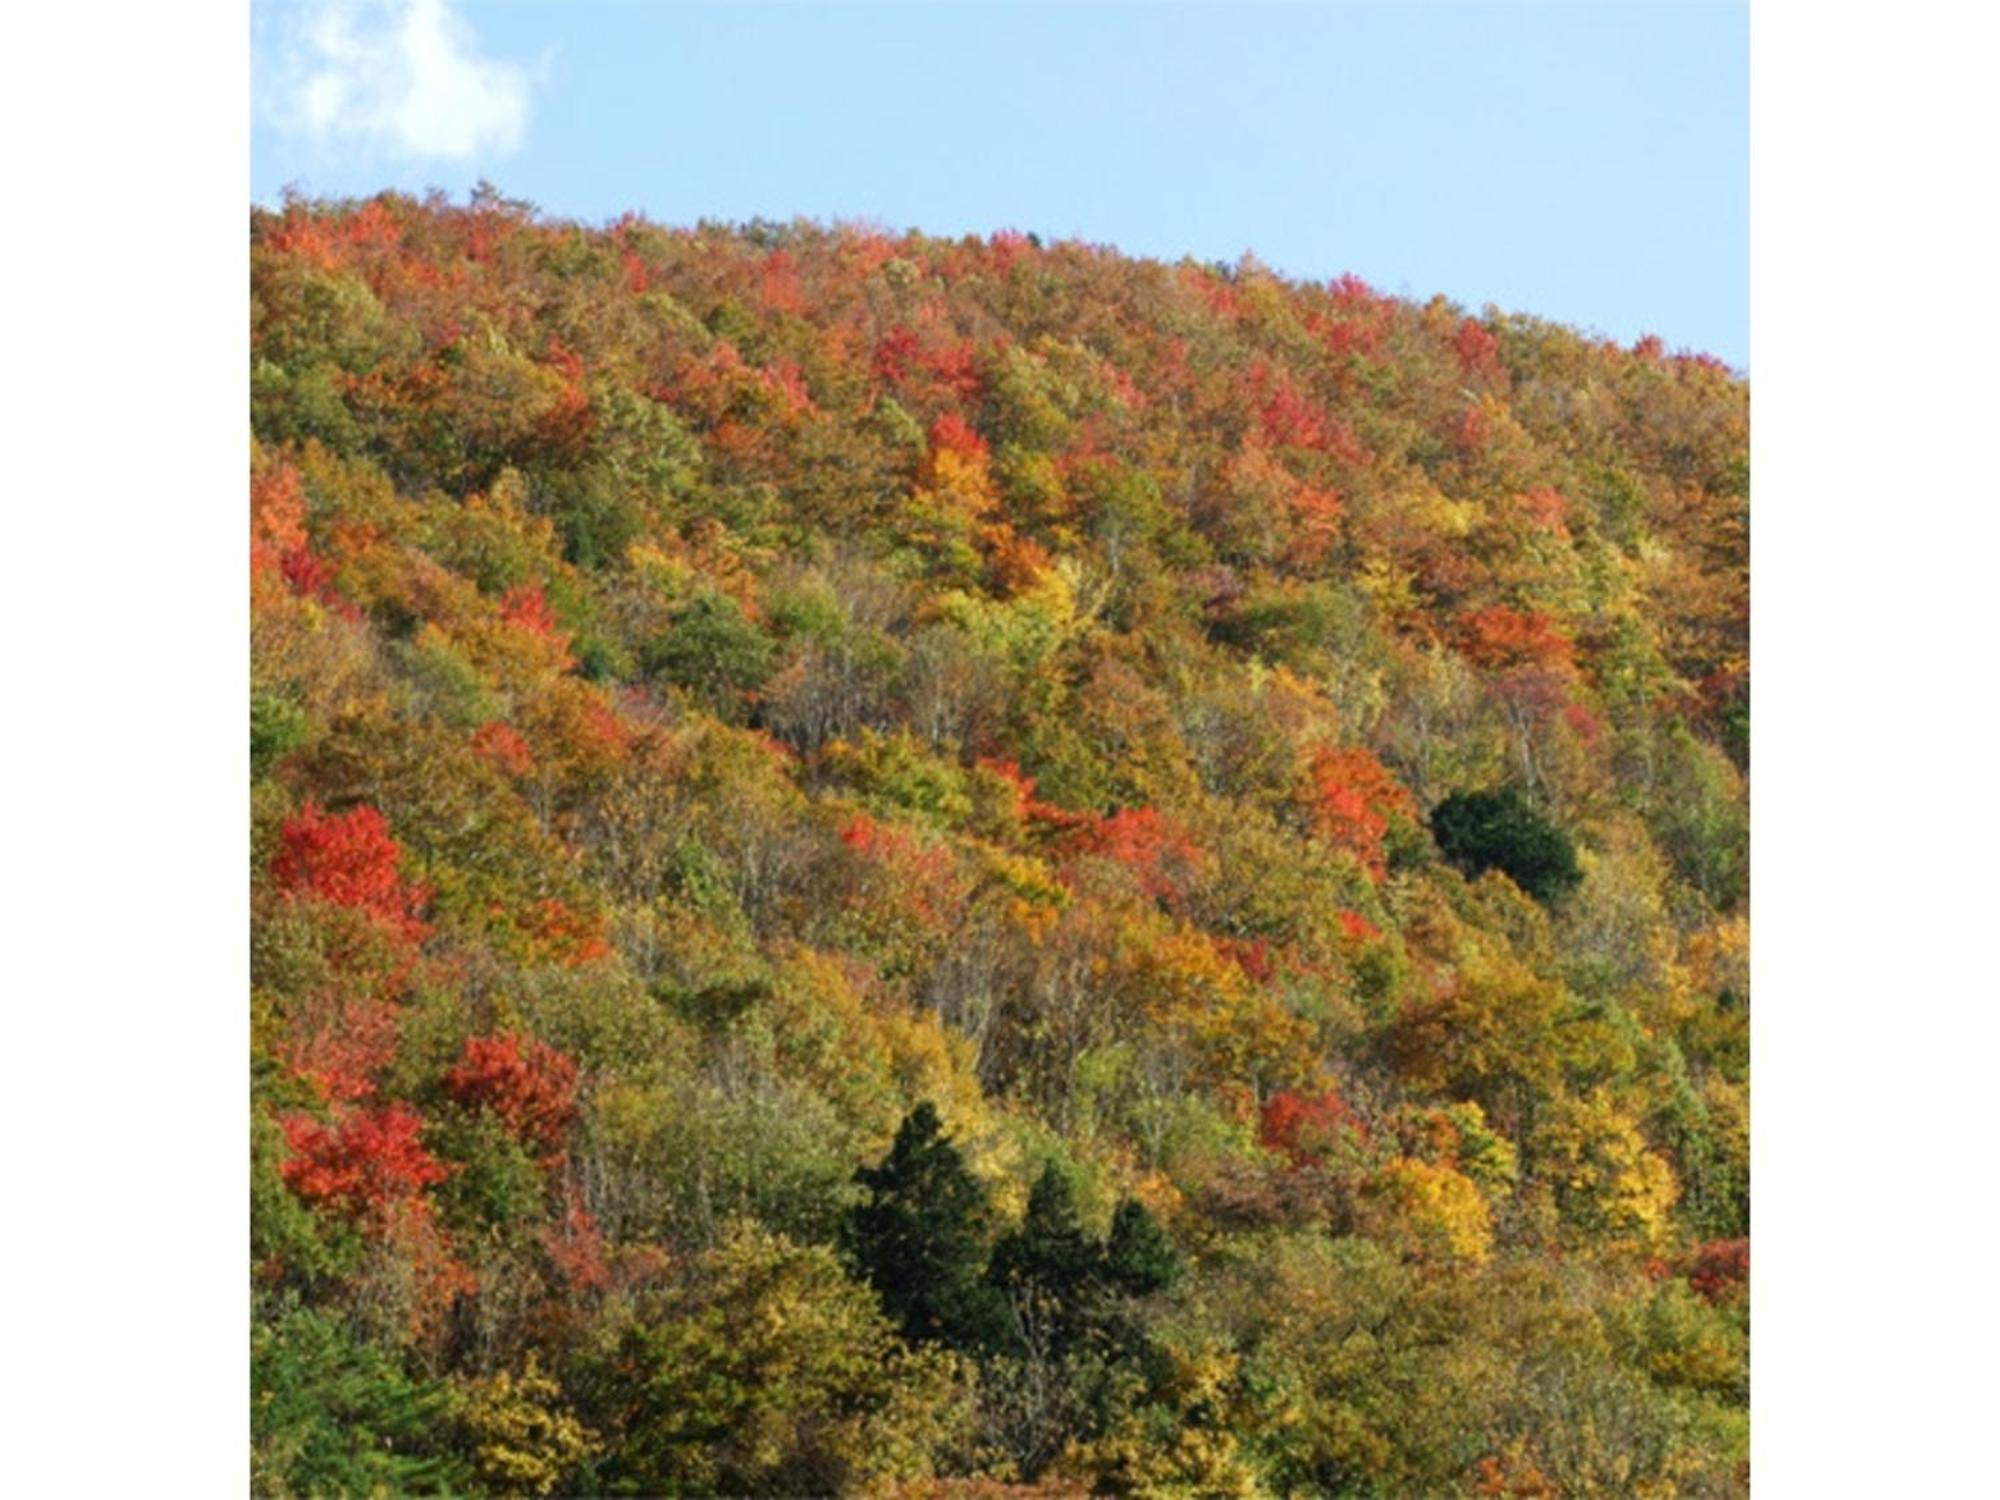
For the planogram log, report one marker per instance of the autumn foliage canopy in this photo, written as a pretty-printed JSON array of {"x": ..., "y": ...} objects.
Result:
[{"x": 884, "y": 864}]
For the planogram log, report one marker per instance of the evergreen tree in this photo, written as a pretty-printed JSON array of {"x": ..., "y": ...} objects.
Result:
[
  {"x": 331, "y": 1416},
  {"x": 1481, "y": 831},
  {"x": 919, "y": 1237},
  {"x": 1050, "y": 1249},
  {"x": 1139, "y": 1259},
  {"x": 1049, "y": 1270}
]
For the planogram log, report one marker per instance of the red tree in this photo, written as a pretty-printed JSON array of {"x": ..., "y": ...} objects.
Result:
[
  {"x": 1352, "y": 798},
  {"x": 953, "y": 433},
  {"x": 527, "y": 1084},
  {"x": 526, "y": 608},
  {"x": 1478, "y": 351},
  {"x": 361, "y": 1164},
  {"x": 339, "y": 1042},
  {"x": 1721, "y": 1269},
  {"x": 1546, "y": 508},
  {"x": 1500, "y": 638},
  {"x": 575, "y": 1247},
  {"x": 1304, "y": 1129},
  {"x": 501, "y": 745},
  {"x": 1161, "y": 853},
  {"x": 1358, "y": 928},
  {"x": 348, "y": 859},
  {"x": 571, "y": 936}
]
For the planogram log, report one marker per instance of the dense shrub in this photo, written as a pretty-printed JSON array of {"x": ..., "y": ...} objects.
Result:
[{"x": 1481, "y": 831}]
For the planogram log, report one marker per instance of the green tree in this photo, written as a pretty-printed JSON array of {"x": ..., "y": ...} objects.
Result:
[
  {"x": 1139, "y": 1259},
  {"x": 1049, "y": 1270},
  {"x": 1501, "y": 830},
  {"x": 330, "y": 1416},
  {"x": 919, "y": 1236},
  {"x": 713, "y": 651},
  {"x": 1700, "y": 817},
  {"x": 277, "y": 723}
]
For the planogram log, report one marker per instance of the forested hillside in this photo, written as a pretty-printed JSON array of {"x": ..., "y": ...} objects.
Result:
[{"x": 956, "y": 867}]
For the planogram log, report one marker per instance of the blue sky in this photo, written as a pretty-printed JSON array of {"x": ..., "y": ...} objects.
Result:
[{"x": 1583, "y": 162}]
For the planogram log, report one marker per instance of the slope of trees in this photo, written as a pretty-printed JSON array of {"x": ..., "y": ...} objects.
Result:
[{"x": 891, "y": 865}]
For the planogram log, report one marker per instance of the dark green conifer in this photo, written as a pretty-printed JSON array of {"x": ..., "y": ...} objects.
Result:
[
  {"x": 1139, "y": 1259},
  {"x": 1049, "y": 1269},
  {"x": 1050, "y": 1250},
  {"x": 919, "y": 1237},
  {"x": 1481, "y": 831}
]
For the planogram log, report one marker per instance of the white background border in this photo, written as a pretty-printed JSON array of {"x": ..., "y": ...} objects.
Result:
[{"x": 1875, "y": 419}]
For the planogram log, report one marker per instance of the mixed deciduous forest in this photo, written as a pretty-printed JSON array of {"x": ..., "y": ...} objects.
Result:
[{"x": 890, "y": 865}]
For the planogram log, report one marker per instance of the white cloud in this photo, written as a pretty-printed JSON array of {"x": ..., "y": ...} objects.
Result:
[{"x": 402, "y": 77}]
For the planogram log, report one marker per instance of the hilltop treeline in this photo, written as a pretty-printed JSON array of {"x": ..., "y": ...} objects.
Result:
[{"x": 897, "y": 865}]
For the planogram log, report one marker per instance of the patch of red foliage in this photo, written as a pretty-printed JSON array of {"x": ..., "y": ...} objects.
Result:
[
  {"x": 1006, "y": 248},
  {"x": 636, "y": 280},
  {"x": 1315, "y": 525},
  {"x": 895, "y": 355},
  {"x": 1512, "y": 1475},
  {"x": 309, "y": 574},
  {"x": 340, "y": 1043},
  {"x": 569, "y": 423},
  {"x": 568, "y": 935},
  {"x": 1499, "y": 638},
  {"x": 1027, "y": 806},
  {"x": 575, "y": 1247},
  {"x": 956, "y": 368},
  {"x": 277, "y": 518},
  {"x": 1584, "y": 724},
  {"x": 952, "y": 433},
  {"x": 1304, "y": 1129},
  {"x": 1478, "y": 351},
  {"x": 1546, "y": 508},
  {"x": 1473, "y": 429},
  {"x": 1358, "y": 322},
  {"x": 348, "y": 859},
  {"x": 1161, "y": 853},
  {"x": 1212, "y": 289},
  {"x": 1352, "y": 798},
  {"x": 529, "y": 1086},
  {"x": 1350, "y": 291},
  {"x": 362, "y": 1163},
  {"x": 786, "y": 383},
  {"x": 526, "y": 608},
  {"x": 1288, "y": 418},
  {"x": 1252, "y": 955},
  {"x": 923, "y": 875},
  {"x": 1706, "y": 363},
  {"x": 1358, "y": 928},
  {"x": 279, "y": 544},
  {"x": 1720, "y": 1270}
]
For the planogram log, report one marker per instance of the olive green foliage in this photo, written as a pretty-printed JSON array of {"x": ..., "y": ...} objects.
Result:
[
  {"x": 523, "y": 1440},
  {"x": 769, "y": 1372},
  {"x": 713, "y": 651}
]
